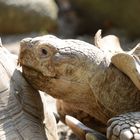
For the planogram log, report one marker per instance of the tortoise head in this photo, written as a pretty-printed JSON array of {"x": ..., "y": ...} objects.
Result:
[{"x": 54, "y": 65}]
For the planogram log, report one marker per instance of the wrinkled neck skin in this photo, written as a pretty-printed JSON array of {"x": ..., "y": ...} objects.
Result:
[
  {"x": 114, "y": 90},
  {"x": 101, "y": 90},
  {"x": 107, "y": 93}
]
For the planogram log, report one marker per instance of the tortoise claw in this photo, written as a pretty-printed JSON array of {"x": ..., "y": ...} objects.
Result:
[
  {"x": 90, "y": 136},
  {"x": 57, "y": 117},
  {"x": 82, "y": 131}
]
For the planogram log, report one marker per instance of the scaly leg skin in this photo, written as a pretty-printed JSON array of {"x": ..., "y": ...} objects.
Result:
[{"x": 124, "y": 127}]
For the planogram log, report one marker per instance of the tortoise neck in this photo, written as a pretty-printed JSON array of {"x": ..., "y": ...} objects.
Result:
[{"x": 114, "y": 89}]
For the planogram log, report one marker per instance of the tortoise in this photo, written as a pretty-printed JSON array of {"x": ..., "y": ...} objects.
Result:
[
  {"x": 93, "y": 83},
  {"x": 21, "y": 109}
]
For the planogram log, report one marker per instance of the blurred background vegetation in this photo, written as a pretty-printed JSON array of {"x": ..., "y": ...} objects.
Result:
[{"x": 70, "y": 19}]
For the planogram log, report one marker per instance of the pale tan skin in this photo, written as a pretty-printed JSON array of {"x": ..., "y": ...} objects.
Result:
[{"x": 81, "y": 75}]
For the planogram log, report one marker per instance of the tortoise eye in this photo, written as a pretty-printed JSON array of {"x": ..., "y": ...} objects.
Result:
[{"x": 44, "y": 51}]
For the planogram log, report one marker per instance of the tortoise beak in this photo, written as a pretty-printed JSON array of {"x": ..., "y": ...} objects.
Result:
[{"x": 24, "y": 44}]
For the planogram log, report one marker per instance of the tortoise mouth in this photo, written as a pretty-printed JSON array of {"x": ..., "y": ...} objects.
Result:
[{"x": 36, "y": 79}]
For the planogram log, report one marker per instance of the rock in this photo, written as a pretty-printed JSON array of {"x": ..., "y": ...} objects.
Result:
[
  {"x": 20, "y": 16},
  {"x": 96, "y": 14}
]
